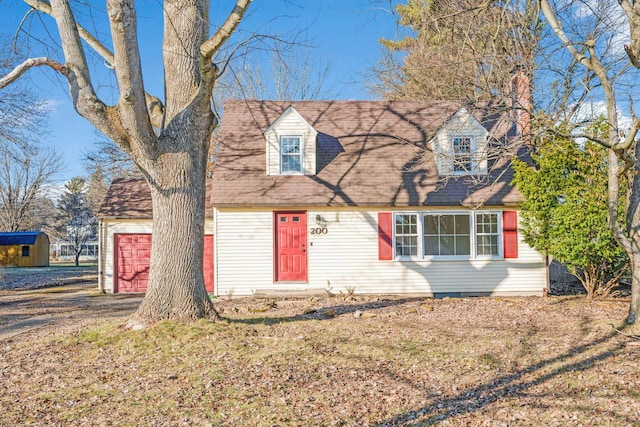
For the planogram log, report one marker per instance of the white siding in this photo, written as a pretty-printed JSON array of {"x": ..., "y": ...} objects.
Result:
[
  {"x": 460, "y": 124},
  {"x": 291, "y": 124},
  {"x": 244, "y": 252},
  {"x": 347, "y": 256},
  {"x": 110, "y": 227}
]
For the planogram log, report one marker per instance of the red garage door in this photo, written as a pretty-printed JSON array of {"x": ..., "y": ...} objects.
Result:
[{"x": 132, "y": 258}]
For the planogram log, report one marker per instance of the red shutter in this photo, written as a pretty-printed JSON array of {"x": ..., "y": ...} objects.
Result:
[
  {"x": 385, "y": 235},
  {"x": 510, "y": 233}
]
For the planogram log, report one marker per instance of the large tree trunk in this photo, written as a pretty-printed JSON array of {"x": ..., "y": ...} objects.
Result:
[{"x": 176, "y": 281}]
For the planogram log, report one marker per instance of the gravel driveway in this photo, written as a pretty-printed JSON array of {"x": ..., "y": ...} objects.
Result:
[{"x": 22, "y": 311}]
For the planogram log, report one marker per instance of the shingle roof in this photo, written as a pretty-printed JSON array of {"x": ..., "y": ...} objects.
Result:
[
  {"x": 131, "y": 198},
  {"x": 370, "y": 153},
  {"x": 19, "y": 238}
]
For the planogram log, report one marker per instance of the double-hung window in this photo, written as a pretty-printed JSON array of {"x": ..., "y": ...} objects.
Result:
[
  {"x": 446, "y": 235},
  {"x": 462, "y": 154},
  {"x": 487, "y": 234},
  {"x": 290, "y": 154},
  {"x": 406, "y": 226}
]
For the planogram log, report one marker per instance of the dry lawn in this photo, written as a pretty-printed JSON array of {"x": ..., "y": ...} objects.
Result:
[{"x": 357, "y": 361}]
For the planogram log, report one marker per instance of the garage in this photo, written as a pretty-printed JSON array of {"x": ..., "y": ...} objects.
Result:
[{"x": 133, "y": 256}]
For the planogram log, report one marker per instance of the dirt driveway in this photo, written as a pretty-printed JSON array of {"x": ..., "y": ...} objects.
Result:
[{"x": 27, "y": 310}]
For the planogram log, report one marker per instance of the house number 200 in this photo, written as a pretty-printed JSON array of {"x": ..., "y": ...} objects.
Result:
[{"x": 319, "y": 230}]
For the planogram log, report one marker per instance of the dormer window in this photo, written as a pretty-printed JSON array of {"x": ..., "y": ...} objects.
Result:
[
  {"x": 291, "y": 145},
  {"x": 460, "y": 146},
  {"x": 290, "y": 154},
  {"x": 462, "y": 154}
]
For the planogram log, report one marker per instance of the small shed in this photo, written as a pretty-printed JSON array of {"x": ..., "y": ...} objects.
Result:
[{"x": 24, "y": 249}]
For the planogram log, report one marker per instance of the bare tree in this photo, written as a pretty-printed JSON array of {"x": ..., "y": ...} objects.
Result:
[
  {"x": 24, "y": 170},
  {"x": 22, "y": 112},
  {"x": 108, "y": 159},
  {"x": 291, "y": 74},
  {"x": 591, "y": 33},
  {"x": 168, "y": 140},
  {"x": 76, "y": 223}
]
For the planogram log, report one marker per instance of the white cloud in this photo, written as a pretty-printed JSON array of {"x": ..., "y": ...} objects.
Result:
[{"x": 590, "y": 111}]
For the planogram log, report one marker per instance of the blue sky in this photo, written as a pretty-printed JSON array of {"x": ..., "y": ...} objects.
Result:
[{"x": 344, "y": 33}]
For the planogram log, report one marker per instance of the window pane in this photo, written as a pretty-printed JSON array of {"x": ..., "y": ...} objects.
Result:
[
  {"x": 430, "y": 224},
  {"x": 290, "y": 145},
  {"x": 431, "y": 245},
  {"x": 406, "y": 224},
  {"x": 462, "y": 224},
  {"x": 447, "y": 224},
  {"x": 406, "y": 246},
  {"x": 463, "y": 245},
  {"x": 447, "y": 245},
  {"x": 290, "y": 163}
]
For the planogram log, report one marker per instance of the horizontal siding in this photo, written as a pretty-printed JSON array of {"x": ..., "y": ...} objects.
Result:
[
  {"x": 347, "y": 256},
  {"x": 112, "y": 227},
  {"x": 244, "y": 248}
]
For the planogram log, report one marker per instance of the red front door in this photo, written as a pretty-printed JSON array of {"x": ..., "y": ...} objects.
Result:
[{"x": 291, "y": 246}]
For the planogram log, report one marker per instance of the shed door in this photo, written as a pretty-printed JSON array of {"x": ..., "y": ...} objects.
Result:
[
  {"x": 291, "y": 246},
  {"x": 133, "y": 256}
]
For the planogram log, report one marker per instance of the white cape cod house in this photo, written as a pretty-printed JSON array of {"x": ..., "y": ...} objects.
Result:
[{"x": 388, "y": 197}]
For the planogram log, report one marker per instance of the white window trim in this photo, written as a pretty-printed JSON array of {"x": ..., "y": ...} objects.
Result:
[
  {"x": 473, "y": 240},
  {"x": 472, "y": 154},
  {"x": 302, "y": 169}
]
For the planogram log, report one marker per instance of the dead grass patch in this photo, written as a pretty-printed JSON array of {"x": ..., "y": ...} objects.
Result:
[{"x": 480, "y": 361}]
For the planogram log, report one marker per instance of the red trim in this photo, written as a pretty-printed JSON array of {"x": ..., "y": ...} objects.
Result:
[
  {"x": 208, "y": 263},
  {"x": 385, "y": 236},
  {"x": 510, "y": 233}
]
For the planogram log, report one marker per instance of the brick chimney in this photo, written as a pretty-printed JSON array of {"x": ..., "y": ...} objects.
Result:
[{"x": 521, "y": 102}]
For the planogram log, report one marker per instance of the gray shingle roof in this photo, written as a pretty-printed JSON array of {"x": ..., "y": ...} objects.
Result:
[
  {"x": 370, "y": 153},
  {"x": 131, "y": 198}
]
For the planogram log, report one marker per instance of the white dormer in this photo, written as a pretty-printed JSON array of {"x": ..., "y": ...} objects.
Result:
[
  {"x": 291, "y": 145},
  {"x": 460, "y": 146}
]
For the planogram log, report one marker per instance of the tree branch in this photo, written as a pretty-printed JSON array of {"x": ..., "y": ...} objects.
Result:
[
  {"x": 211, "y": 46},
  {"x": 28, "y": 64},
  {"x": 548, "y": 12},
  {"x": 154, "y": 105},
  {"x": 128, "y": 69}
]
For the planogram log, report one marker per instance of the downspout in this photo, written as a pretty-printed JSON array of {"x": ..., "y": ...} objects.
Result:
[
  {"x": 547, "y": 263},
  {"x": 100, "y": 255}
]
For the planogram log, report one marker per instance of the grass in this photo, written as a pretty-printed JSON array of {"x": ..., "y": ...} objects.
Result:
[{"x": 469, "y": 362}]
